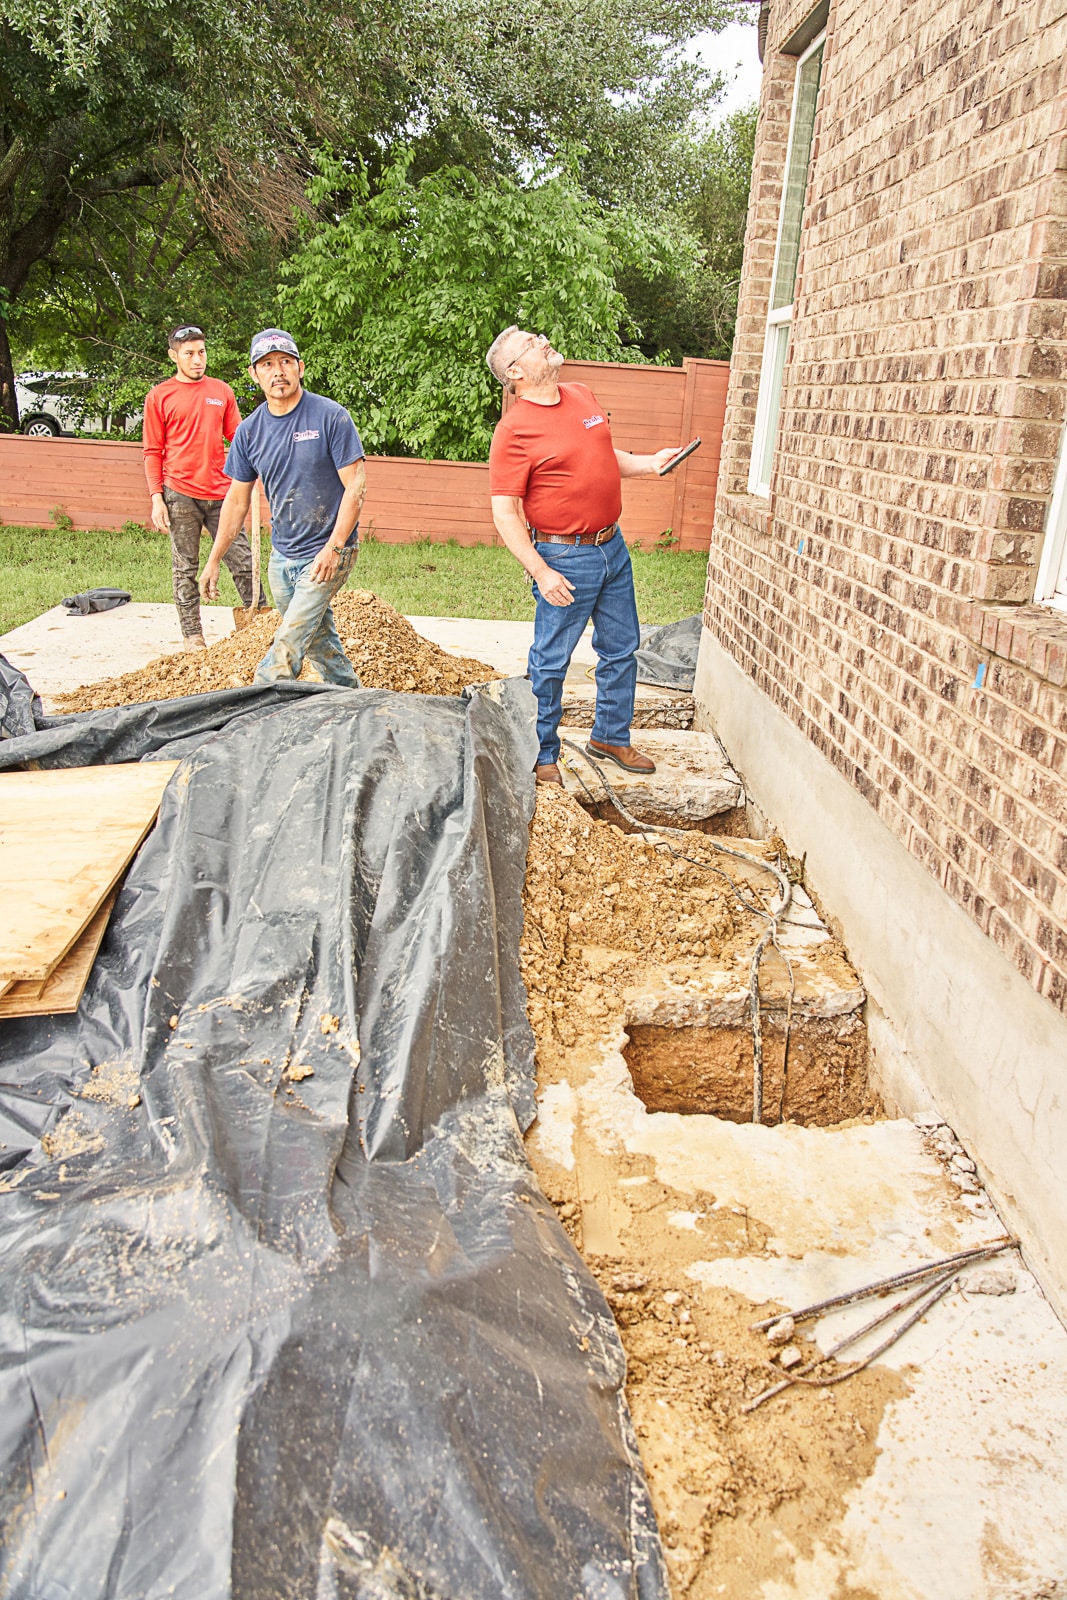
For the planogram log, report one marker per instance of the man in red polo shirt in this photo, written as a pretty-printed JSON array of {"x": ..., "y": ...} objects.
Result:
[
  {"x": 556, "y": 491},
  {"x": 186, "y": 420}
]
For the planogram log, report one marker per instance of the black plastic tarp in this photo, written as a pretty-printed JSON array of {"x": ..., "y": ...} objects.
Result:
[
  {"x": 283, "y": 1312},
  {"x": 668, "y": 654},
  {"x": 20, "y": 708}
]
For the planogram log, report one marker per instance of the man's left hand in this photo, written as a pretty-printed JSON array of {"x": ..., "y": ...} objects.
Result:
[
  {"x": 661, "y": 457},
  {"x": 324, "y": 567}
]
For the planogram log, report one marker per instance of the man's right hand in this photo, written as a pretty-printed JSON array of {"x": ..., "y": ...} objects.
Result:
[
  {"x": 160, "y": 514},
  {"x": 209, "y": 580},
  {"x": 555, "y": 588}
]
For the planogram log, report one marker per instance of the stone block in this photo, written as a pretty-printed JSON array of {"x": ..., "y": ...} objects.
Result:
[{"x": 693, "y": 781}]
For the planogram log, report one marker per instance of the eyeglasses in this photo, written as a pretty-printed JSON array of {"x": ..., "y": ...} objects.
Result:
[
  {"x": 181, "y": 334},
  {"x": 534, "y": 340}
]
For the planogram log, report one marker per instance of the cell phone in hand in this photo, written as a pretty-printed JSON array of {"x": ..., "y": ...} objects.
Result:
[{"x": 676, "y": 460}]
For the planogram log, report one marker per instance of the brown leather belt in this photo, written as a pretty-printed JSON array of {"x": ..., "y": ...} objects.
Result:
[{"x": 601, "y": 536}]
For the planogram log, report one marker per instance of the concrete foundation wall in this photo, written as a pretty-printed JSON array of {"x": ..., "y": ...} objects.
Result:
[{"x": 953, "y": 1022}]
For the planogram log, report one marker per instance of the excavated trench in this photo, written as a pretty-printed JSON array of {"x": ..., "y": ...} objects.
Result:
[
  {"x": 656, "y": 938},
  {"x": 710, "y": 1070},
  {"x": 626, "y": 940},
  {"x": 645, "y": 946}
]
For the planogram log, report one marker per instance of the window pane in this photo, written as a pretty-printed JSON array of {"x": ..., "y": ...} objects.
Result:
[
  {"x": 796, "y": 182},
  {"x": 772, "y": 377}
]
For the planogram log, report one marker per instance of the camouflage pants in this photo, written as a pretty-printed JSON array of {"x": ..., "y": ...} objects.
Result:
[{"x": 190, "y": 520}]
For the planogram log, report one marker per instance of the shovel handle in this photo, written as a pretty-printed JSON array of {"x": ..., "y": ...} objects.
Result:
[{"x": 255, "y": 549}]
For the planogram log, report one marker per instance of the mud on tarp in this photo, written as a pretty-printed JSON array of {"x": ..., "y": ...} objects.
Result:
[{"x": 283, "y": 1313}]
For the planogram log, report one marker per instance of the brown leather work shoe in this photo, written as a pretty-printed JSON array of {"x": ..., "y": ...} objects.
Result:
[
  {"x": 194, "y": 641},
  {"x": 549, "y": 773},
  {"x": 623, "y": 755}
]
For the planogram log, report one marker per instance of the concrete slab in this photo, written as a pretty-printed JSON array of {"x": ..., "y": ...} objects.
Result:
[
  {"x": 954, "y": 1483},
  {"x": 693, "y": 781},
  {"x": 654, "y": 708},
  {"x": 58, "y": 652}
]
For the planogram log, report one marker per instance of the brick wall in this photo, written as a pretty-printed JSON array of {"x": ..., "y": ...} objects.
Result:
[{"x": 879, "y": 597}]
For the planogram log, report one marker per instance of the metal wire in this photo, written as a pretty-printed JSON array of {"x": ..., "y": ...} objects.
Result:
[
  {"x": 585, "y": 786},
  {"x": 887, "y": 1285},
  {"x": 926, "y": 1295}
]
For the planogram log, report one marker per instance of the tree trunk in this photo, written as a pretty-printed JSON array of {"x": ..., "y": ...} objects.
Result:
[{"x": 9, "y": 408}]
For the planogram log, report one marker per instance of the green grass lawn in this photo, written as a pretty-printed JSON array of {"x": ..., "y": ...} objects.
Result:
[{"x": 39, "y": 566}]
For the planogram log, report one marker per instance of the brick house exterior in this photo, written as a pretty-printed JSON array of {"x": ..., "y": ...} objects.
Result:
[{"x": 874, "y": 582}]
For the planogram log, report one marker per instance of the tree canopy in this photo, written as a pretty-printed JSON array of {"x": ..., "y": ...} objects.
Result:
[
  {"x": 154, "y": 158},
  {"x": 396, "y": 301}
]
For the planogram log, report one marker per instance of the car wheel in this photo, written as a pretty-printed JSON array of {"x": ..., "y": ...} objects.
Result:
[{"x": 41, "y": 428}]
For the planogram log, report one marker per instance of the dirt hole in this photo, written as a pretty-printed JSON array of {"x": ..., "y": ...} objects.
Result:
[{"x": 709, "y": 1070}]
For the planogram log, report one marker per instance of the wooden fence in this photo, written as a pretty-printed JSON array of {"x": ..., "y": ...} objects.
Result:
[{"x": 99, "y": 484}]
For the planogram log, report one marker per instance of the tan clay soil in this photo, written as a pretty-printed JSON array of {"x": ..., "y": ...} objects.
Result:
[
  {"x": 590, "y": 885},
  {"x": 734, "y": 1494},
  {"x": 710, "y": 1070},
  {"x": 382, "y": 645}
]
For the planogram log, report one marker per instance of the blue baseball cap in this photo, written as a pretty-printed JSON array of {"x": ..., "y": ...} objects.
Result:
[{"x": 272, "y": 341}]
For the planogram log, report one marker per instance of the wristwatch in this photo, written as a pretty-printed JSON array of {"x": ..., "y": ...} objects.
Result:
[{"x": 338, "y": 549}]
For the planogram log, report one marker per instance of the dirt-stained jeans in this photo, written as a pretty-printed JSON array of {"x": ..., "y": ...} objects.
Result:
[
  {"x": 190, "y": 520},
  {"x": 307, "y": 626}
]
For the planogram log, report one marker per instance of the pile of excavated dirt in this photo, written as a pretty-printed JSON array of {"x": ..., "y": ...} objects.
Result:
[
  {"x": 590, "y": 887},
  {"x": 382, "y": 645}
]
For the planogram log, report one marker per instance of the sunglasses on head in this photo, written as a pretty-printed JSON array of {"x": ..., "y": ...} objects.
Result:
[{"x": 190, "y": 332}]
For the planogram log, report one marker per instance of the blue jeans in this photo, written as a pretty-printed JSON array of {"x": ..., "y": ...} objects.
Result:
[
  {"x": 307, "y": 626},
  {"x": 603, "y": 582}
]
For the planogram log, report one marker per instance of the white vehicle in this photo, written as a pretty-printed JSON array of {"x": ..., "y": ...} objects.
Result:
[{"x": 54, "y": 403}]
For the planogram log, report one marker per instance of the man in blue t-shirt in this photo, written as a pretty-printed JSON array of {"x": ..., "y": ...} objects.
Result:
[{"x": 307, "y": 453}]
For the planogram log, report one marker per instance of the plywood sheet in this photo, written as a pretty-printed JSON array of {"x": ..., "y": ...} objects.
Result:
[
  {"x": 65, "y": 838},
  {"x": 61, "y": 992}
]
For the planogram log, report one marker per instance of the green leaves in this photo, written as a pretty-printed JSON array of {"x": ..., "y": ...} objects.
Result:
[
  {"x": 397, "y": 299},
  {"x": 498, "y": 155}
]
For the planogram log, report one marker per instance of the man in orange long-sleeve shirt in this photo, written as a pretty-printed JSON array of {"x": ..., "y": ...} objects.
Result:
[{"x": 186, "y": 420}]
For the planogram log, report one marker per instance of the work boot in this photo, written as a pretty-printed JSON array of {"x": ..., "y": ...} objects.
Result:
[
  {"x": 194, "y": 641},
  {"x": 549, "y": 773},
  {"x": 623, "y": 755}
]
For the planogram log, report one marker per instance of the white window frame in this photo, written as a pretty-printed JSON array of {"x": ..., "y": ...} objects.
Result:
[
  {"x": 1051, "y": 586},
  {"x": 779, "y": 322}
]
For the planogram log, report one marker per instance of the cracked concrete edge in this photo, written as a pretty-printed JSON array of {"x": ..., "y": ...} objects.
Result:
[{"x": 733, "y": 1009}]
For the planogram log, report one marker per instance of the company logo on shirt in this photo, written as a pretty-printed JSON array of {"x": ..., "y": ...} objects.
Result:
[
  {"x": 212, "y": 400},
  {"x": 591, "y": 422},
  {"x": 307, "y": 433}
]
